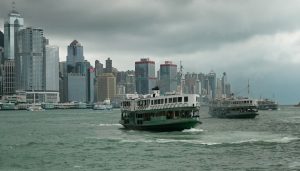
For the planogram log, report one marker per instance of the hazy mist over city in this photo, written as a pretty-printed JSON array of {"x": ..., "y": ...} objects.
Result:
[{"x": 249, "y": 40}]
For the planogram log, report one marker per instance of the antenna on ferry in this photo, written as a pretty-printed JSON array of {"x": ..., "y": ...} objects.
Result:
[
  {"x": 13, "y": 4},
  {"x": 181, "y": 77},
  {"x": 248, "y": 89}
]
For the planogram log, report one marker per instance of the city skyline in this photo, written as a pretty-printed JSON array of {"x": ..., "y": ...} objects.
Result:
[{"x": 256, "y": 41}]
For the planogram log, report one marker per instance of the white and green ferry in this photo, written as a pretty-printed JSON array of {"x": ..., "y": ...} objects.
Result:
[
  {"x": 232, "y": 108},
  {"x": 152, "y": 112}
]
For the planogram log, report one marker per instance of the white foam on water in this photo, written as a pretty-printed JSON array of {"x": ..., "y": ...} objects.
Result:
[
  {"x": 248, "y": 137},
  {"x": 283, "y": 139},
  {"x": 193, "y": 130},
  {"x": 184, "y": 141},
  {"x": 294, "y": 165},
  {"x": 164, "y": 141},
  {"x": 219, "y": 138},
  {"x": 296, "y": 117},
  {"x": 109, "y": 124},
  {"x": 77, "y": 166},
  {"x": 136, "y": 141},
  {"x": 103, "y": 138}
]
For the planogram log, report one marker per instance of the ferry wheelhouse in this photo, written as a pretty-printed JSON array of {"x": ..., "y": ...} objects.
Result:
[{"x": 152, "y": 112}]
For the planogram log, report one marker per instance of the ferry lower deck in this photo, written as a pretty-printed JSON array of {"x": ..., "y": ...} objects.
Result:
[{"x": 174, "y": 119}]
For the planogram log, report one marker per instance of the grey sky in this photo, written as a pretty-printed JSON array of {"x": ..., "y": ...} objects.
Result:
[{"x": 257, "y": 40}]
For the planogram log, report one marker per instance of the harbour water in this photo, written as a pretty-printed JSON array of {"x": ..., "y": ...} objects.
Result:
[{"x": 93, "y": 140}]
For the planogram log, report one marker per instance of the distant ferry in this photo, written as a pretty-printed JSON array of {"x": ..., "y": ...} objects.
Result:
[
  {"x": 233, "y": 108},
  {"x": 105, "y": 105},
  {"x": 267, "y": 104},
  {"x": 152, "y": 112},
  {"x": 7, "y": 106},
  {"x": 35, "y": 108}
]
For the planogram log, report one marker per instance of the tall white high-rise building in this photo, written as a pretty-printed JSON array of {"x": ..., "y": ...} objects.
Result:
[
  {"x": 52, "y": 68},
  {"x": 12, "y": 25}
]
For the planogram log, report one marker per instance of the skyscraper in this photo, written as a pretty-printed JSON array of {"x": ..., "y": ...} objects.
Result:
[
  {"x": 168, "y": 77},
  {"x": 219, "y": 88},
  {"x": 224, "y": 82},
  {"x": 1, "y": 55},
  {"x": 227, "y": 90},
  {"x": 108, "y": 66},
  {"x": 63, "y": 86},
  {"x": 212, "y": 83},
  {"x": 145, "y": 75},
  {"x": 106, "y": 86},
  {"x": 76, "y": 87},
  {"x": 79, "y": 79},
  {"x": 1, "y": 39},
  {"x": 75, "y": 56},
  {"x": 98, "y": 68},
  {"x": 8, "y": 77},
  {"x": 91, "y": 84},
  {"x": 52, "y": 68},
  {"x": 30, "y": 60},
  {"x": 12, "y": 25}
]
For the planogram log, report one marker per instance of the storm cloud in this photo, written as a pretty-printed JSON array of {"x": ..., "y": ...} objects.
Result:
[{"x": 256, "y": 40}]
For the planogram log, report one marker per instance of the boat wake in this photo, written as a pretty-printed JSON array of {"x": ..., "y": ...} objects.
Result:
[
  {"x": 193, "y": 130},
  {"x": 109, "y": 124},
  {"x": 224, "y": 139}
]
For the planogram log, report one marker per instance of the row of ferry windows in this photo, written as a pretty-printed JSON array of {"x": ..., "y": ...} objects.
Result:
[
  {"x": 242, "y": 102},
  {"x": 158, "y": 101},
  {"x": 169, "y": 100}
]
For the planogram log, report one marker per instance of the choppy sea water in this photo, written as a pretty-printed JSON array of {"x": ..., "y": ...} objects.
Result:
[{"x": 93, "y": 140}]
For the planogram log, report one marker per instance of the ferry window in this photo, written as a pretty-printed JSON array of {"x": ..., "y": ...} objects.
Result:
[
  {"x": 170, "y": 100},
  {"x": 161, "y": 101},
  {"x": 155, "y": 102},
  {"x": 179, "y": 99},
  {"x": 151, "y": 102},
  {"x": 174, "y": 99},
  {"x": 186, "y": 99},
  {"x": 166, "y": 100}
]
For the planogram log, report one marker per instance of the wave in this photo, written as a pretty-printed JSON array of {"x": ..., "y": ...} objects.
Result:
[
  {"x": 109, "y": 124},
  {"x": 193, "y": 130},
  {"x": 203, "y": 142},
  {"x": 283, "y": 140},
  {"x": 136, "y": 141},
  {"x": 294, "y": 165}
]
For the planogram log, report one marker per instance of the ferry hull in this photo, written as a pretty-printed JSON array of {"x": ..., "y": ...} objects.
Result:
[
  {"x": 267, "y": 107},
  {"x": 242, "y": 116},
  {"x": 172, "y": 126},
  {"x": 247, "y": 115}
]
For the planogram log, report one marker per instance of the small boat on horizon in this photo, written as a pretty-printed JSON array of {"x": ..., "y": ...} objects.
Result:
[{"x": 105, "y": 105}]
